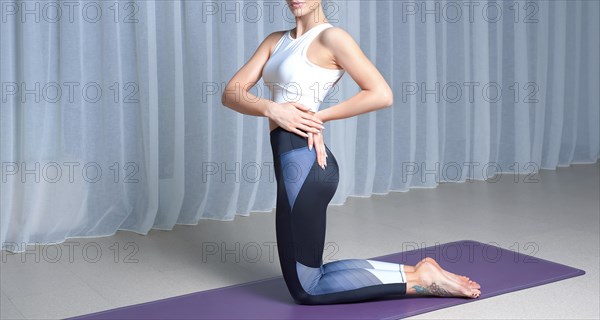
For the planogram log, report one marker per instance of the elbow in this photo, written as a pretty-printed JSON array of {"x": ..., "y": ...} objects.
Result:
[
  {"x": 387, "y": 98},
  {"x": 224, "y": 101}
]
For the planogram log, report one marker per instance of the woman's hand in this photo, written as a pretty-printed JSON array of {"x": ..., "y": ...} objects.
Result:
[
  {"x": 295, "y": 117},
  {"x": 316, "y": 140}
]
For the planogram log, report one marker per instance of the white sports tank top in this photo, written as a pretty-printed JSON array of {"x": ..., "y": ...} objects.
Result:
[{"x": 291, "y": 77}]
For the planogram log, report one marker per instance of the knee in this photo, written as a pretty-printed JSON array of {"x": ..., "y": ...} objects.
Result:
[{"x": 304, "y": 298}]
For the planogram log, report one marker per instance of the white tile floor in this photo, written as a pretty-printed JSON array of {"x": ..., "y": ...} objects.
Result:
[{"x": 561, "y": 213}]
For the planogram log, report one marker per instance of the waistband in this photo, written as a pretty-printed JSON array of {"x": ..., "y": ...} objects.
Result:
[{"x": 283, "y": 141}]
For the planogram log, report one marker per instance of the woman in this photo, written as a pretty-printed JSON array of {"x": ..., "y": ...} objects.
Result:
[{"x": 300, "y": 66}]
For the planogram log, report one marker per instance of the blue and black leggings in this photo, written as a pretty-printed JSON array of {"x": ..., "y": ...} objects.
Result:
[{"x": 303, "y": 192}]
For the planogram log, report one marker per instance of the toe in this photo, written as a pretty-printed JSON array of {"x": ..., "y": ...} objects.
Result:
[
  {"x": 475, "y": 293},
  {"x": 475, "y": 285},
  {"x": 467, "y": 292}
]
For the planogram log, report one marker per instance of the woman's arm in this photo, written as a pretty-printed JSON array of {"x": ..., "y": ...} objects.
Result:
[
  {"x": 236, "y": 94},
  {"x": 375, "y": 94}
]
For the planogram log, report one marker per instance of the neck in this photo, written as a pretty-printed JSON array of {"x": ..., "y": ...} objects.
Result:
[{"x": 308, "y": 21}]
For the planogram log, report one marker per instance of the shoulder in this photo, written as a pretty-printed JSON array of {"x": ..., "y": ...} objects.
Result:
[
  {"x": 336, "y": 36},
  {"x": 271, "y": 40},
  {"x": 274, "y": 37}
]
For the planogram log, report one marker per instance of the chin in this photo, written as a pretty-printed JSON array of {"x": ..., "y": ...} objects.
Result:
[
  {"x": 299, "y": 13},
  {"x": 301, "y": 8}
]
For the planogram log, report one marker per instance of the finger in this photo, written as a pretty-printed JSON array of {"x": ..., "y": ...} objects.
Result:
[
  {"x": 322, "y": 153},
  {"x": 298, "y": 132},
  {"x": 300, "y": 106},
  {"x": 308, "y": 128},
  {"x": 314, "y": 118},
  {"x": 311, "y": 117},
  {"x": 322, "y": 157},
  {"x": 318, "y": 151},
  {"x": 317, "y": 120},
  {"x": 310, "y": 141},
  {"x": 319, "y": 159},
  {"x": 312, "y": 123}
]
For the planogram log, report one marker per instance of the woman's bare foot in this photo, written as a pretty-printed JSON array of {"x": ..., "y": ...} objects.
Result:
[
  {"x": 455, "y": 277},
  {"x": 432, "y": 281}
]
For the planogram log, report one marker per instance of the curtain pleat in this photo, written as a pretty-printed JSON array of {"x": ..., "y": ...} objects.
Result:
[{"x": 117, "y": 123}]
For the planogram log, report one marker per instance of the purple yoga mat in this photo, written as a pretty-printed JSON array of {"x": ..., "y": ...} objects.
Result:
[{"x": 497, "y": 270}]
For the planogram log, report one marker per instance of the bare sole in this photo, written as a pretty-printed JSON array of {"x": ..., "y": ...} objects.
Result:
[
  {"x": 455, "y": 277},
  {"x": 435, "y": 282}
]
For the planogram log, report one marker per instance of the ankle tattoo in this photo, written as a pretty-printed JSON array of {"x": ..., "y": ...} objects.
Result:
[{"x": 432, "y": 289}]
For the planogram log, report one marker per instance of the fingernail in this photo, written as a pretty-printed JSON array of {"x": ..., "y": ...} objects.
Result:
[{"x": 309, "y": 147}]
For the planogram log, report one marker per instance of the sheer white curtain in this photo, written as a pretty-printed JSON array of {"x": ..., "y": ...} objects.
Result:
[{"x": 111, "y": 113}]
